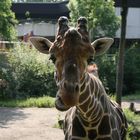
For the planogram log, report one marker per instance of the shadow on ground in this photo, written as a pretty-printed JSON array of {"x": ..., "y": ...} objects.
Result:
[{"x": 8, "y": 116}]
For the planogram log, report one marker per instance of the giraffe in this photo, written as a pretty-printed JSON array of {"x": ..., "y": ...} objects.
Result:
[
  {"x": 91, "y": 115},
  {"x": 92, "y": 68}
]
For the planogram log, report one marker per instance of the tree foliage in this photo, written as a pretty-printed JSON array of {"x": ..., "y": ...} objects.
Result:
[
  {"x": 107, "y": 71},
  {"x": 100, "y": 14},
  {"x": 27, "y": 73},
  {"x": 132, "y": 70},
  {"x": 7, "y": 21}
]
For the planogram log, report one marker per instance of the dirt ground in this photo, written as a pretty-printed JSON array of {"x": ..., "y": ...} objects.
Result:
[
  {"x": 33, "y": 123},
  {"x": 29, "y": 124}
]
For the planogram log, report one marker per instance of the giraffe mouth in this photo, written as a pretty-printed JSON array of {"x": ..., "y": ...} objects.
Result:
[{"x": 60, "y": 105}]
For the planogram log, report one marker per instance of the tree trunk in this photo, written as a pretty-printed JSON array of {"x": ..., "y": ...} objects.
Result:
[{"x": 120, "y": 65}]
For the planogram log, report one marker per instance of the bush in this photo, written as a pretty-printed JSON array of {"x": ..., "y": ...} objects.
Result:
[
  {"x": 107, "y": 71},
  {"x": 30, "y": 74},
  {"x": 133, "y": 121},
  {"x": 132, "y": 69}
]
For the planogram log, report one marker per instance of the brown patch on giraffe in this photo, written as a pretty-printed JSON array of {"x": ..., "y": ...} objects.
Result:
[
  {"x": 92, "y": 102},
  {"x": 103, "y": 101},
  {"x": 66, "y": 136},
  {"x": 85, "y": 123},
  {"x": 78, "y": 129},
  {"x": 104, "y": 127},
  {"x": 119, "y": 117},
  {"x": 85, "y": 105},
  {"x": 96, "y": 120},
  {"x": 95, "y": 123},
  {"x": 96, "y": 84},
  {"x": 82, "y": 87},
  {"x": 122, "y": 122},
  {"x": 89, "y": 112},
  {"x": 92, "y": 134},
  {"x": 96, "y": 107},
  {"x": 84, "y": 96},
  {"x": 98, "y": 116},
  {"x": 112, "y": 122},
  {"x": 92, "y": 86},
  {"x": 115, "y": 135}
]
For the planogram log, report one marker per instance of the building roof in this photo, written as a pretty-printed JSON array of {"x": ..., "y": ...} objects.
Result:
[
  {"x": 41, "y": 10},
  {"x": 53, "y": 10},
  {"x": 130, "y": 3}
]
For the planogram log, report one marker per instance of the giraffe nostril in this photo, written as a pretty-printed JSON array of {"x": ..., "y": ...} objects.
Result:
[
  {"x": 77, "y": 88},
  {"x": 65, "y": 85}
]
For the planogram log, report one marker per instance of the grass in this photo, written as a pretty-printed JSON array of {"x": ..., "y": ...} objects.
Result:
[
  {"x": 133, "y": 132},
  {"x": 131, "y": 97},
  {"x": 133, "y": 125},
  {"x": 132, "y": 119},
  {"x": 135, "y": 96},
  {"x": 58, "y": 125},
  {"x": 30, "y": 102},
  {"x": 131, "y": 116},
  {"x": 49, "y": 101}
]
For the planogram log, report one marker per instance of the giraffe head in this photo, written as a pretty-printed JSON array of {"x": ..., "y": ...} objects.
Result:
[{"x": 71, "y": 50}]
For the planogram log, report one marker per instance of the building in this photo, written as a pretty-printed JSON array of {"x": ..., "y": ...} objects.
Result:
[
  {"x": 44, "y": 16},
  {"x": 133, "y": 20},
  {"x": 39, "y": 19}
]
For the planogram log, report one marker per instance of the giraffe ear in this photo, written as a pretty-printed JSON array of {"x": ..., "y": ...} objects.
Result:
[
  {"x": 102, "y": 45},
  {"x": 41, "y": 44}
]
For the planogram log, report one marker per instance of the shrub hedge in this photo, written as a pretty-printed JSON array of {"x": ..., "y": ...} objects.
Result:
[
  {"x": 29, "y": 74},
  {"x": 107, "y": 70},
  {"x": 132, "y": 70}
]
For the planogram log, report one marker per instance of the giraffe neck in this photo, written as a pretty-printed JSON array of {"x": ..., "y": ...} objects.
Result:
[
  {"x": 93, "y": 101},
  {"x": 95, "y": 117}
]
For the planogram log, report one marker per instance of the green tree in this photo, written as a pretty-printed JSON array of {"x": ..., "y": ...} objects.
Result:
[
  {"x": 100, "y": 14},
  {"x": 7, "y": 21},
  {"x": 132, "y": 70}
]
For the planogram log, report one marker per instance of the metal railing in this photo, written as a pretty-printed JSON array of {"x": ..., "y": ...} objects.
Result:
[
  {"x": 13, "y": 42},
  {"x": 6, "y": 44}
]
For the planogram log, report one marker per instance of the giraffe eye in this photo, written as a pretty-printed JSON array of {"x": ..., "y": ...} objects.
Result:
[{"x": 53, "y": 58}]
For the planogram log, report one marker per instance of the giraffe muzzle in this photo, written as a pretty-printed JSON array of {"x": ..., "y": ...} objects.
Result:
[
  {"x": 69, "y": 93},
  {"x": 59, "y": 104}
]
